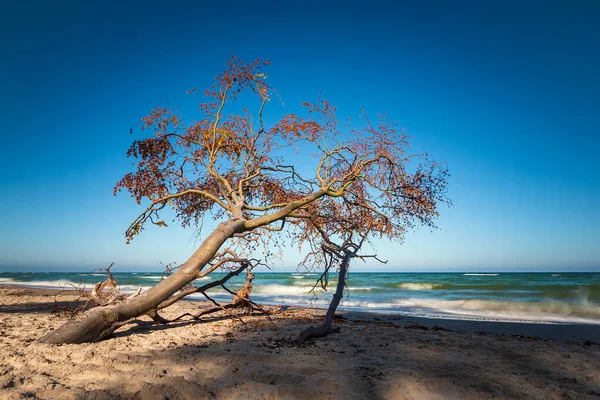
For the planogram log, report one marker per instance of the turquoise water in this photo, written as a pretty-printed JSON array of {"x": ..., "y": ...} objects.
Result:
[{"x": 540, "y": 297}]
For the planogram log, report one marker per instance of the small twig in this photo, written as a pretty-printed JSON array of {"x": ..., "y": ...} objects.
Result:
[
  {"x": 72, "y": 311},
  {"x": 224, "y": 308}
]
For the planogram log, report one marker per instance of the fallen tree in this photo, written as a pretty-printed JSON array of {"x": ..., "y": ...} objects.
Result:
[{"x": 237, "y": 170}]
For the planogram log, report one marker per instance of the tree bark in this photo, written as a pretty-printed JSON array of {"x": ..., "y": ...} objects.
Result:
[
  {"x": 327, "y": 327},
  {"x": 101, "y": 322}
]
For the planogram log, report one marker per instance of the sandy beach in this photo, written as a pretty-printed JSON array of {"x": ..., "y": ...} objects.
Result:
[{"x": 374, "y": 356}]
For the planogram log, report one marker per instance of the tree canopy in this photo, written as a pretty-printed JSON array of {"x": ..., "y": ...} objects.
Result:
[{"x": 231, "y": 166}]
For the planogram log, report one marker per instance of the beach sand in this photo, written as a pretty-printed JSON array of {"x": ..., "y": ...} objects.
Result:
[{"x": 374, "y": 356}]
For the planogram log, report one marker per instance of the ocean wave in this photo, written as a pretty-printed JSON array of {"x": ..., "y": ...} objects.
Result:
[
  {"x": 419, "y": 286},
  {"x": 295, "y": 301},
  {"x": 480, "y": 310},
  {"x": 206, "y": 278},
  {"x": 302, "y": 275},
  {"x": 277, "y": 289},
  {"x": 132, "y": 288},
  {"x": 69, "y": 285},
  {"x": 546, "y": 311},
  {"x": 56, "y": 284},
  {"x": 538, "y": 298}
]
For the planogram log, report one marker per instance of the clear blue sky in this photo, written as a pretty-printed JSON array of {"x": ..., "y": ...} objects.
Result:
[{"x": 508, "y": 93}]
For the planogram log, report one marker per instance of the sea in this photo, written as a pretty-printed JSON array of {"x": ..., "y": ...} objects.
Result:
[{"x": 516, "y": 297}]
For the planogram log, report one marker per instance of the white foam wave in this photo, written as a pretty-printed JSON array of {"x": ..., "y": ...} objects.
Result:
[
  {"x": 132, "y": 288},
  {"x": 69, "y": 285},
  {"x": 478, "y": 310},
  {"x": 545, "y": 311},
  {"x": 481, "y": 274},
  {"x": 152, "y": 278},
  {"x": 302, "y": 301},
  {"x": 45, "y": 284},
  {"x": 277, "y": 289},
  {"x": 419, "y": 286}
]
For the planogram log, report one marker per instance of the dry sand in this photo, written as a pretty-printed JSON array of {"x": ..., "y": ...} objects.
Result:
[{"x": 226, "y": 359}]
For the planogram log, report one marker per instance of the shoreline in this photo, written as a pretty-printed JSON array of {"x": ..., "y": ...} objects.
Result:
[
  {"x": 224, "y": 358},
  {"x": 509, "y": 297},
  {"x": 560, "y": 331}
]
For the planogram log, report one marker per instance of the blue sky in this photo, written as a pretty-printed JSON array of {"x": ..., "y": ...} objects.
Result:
[{"x": 506, "y": 92}]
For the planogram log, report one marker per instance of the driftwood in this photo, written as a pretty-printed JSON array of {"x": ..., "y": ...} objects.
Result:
[{"x": 106, "y": 293}]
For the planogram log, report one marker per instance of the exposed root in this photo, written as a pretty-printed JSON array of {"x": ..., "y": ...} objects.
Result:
[
  {"x": 107, "y": 292},
  {"x": 101, "y": 322},
  {"x": 103, "y": 293}
]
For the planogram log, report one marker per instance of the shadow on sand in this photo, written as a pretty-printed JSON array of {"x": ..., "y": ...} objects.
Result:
[
  {"x": 222, "y": 358},
  {"x": 367, "y": 360}
]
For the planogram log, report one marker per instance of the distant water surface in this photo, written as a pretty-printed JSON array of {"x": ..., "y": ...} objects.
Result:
[{"x": 527, "y": 297}]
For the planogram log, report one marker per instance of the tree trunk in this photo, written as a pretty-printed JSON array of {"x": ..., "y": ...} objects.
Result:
[
  {"x": 101, "y": 322},
  {"x": 327, "y": 327}
]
